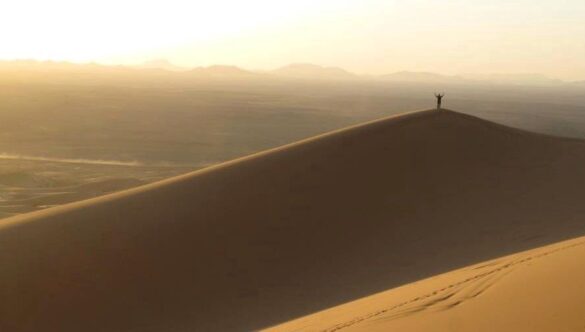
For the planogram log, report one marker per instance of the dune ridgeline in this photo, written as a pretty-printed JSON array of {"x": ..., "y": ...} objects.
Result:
[{"x": 339, "y": 228}]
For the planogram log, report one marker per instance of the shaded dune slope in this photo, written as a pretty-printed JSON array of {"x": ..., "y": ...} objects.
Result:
[{"x": 278, "y": 235}]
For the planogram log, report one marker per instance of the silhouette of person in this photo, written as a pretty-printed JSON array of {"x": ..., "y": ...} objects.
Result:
[{"x": 439, "y": 99}]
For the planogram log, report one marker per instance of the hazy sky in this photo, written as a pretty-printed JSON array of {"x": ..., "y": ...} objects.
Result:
[{"x": 364, "y": 36}]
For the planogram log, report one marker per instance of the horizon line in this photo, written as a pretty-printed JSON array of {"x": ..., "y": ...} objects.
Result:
[{"x": 485, "y": 76}]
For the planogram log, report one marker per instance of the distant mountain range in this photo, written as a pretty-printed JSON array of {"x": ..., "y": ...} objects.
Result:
[
  {"x": 538, "y": 79},
  {"x": 420, "y": 77},
  {"x": 306, "y": 71},
  {"x": 310, "y": 71},
  {"x": 163, "y": 64},
  {"x": 297, "y": 71},
  {"x": 219, "y": 71}
]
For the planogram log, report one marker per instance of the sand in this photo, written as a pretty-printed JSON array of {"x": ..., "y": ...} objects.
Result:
[
  {"x": 265, "y": 239},
  {"x": 536, "y": 290}
]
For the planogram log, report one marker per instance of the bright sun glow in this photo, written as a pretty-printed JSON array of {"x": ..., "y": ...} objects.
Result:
[
  {"x": 87, "y": 30},
  {"x": 375, "y": 36}
]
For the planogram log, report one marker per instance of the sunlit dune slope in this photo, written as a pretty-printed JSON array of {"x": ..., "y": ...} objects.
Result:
[
  {"x": 264, "y": 239},
  {"x": 536, "y": 290}
]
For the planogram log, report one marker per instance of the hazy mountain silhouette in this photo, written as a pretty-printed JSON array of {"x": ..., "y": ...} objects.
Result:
[
  {"x": 428, "y": 77},
  {"x": 295, "y": 71},
  {"x": 521, "y": 79},
  {"x": 419, "y": 77},
  {"x": 162, "y": 64},
  {"x": 223, "y": 71},
  {"x": 311, "y": 71}
]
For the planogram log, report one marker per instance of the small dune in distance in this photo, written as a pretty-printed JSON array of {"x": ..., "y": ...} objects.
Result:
[{"x": 425, "y": 221}]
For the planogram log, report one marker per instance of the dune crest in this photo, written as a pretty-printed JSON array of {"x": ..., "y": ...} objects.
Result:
[{"x": 282, "y": 234}]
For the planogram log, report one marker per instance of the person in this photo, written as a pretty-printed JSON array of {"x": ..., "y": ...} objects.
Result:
[{"x": 439, "y": 99}]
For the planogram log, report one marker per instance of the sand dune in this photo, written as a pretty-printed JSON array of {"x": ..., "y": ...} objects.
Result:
[
  {"x": 536, "y": 290},
  {"x": 265, "y": 239}
]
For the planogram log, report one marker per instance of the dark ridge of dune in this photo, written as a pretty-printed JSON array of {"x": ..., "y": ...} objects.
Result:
[{"x": 261, "y": 240}]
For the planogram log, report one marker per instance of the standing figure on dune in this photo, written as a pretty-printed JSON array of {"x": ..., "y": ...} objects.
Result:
[{"x": 439, "y": 100}]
